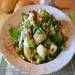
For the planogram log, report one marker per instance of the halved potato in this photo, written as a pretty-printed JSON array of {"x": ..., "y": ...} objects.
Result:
[
  {"x": 39, "y": 36},
  {"x": 27, "y": 53},
  {"x": 41, "y": 50}
]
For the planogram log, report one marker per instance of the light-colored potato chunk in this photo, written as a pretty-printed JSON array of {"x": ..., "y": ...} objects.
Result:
[
  {"x": 41, "y": 51},
  {"x": 39, "y": 36},
  {"x": 27, "y": 53}
]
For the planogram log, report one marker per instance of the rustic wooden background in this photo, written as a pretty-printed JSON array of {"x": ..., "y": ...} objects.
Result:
[{"x": 60, "y": 3}]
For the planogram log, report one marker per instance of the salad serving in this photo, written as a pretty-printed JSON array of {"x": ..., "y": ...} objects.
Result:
[{"x": 38, "y": 38}]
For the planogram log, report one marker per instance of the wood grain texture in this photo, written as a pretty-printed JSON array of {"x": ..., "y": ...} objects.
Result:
[
  {"x": 63, "y": 4},
  {"x": 60, "y": 3},
  {"x": 22, "y": 3},
  {"x": 8, "y": 5}
]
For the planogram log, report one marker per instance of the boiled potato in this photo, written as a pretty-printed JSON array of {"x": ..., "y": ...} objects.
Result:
[
  {"x": 27, "y": 53},
  {"x": 39, "y": 36},
  {"x": 41, "y": 51}
]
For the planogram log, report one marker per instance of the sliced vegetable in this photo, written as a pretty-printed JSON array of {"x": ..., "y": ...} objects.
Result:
[
  {"x": 14, "y": 32},
  {"x": 38, "y": 25},
  {"x": 26, "y": 21},
  {"x": 41, "y": 50},
  {"x": 21, "y": 38},
  {"x": 39, "y": 36},
  {"x": 45, "y": 14},
  {"x": 24, "y": 16},
  {"x": 39, "y": 60},
  {"x": 52, "y": 30},
  {"x": 47, "y": 43},
  {"x": 57, "y": 38},
  {"x": 21, "y": 47},
  {"x": 27, "y": 53},
  {"x": 53, "y": 49},
  {"x": 28, "y": 42}
]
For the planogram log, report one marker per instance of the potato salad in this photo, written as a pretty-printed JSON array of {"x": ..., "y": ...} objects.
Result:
[{"x": 38, "y": 38}]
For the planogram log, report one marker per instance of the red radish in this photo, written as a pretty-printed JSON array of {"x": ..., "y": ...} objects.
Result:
[
  {"x": 33, "y": 14},
  {"x": 31, "y": 17},
  {"x": 11, "y": 48},
  {"x": 53, "y": 49}
]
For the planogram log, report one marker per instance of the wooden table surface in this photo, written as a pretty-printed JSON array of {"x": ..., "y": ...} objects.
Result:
[{"x": 70, "y": 4}]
